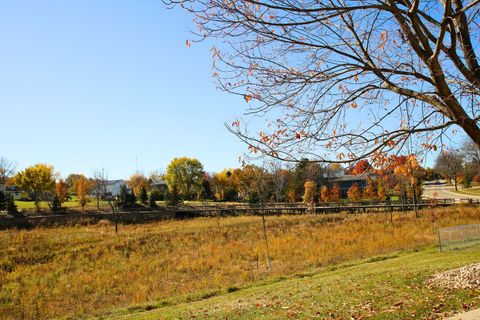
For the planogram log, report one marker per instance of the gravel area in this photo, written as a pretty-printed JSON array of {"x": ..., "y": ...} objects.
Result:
[{"x": 467, "y": 277}]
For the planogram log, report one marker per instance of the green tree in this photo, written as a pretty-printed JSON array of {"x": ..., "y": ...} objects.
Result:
[
  {"x": 173, "y": 196},
  {"x": 38, "y": 180},
  {"x": 154, "y": 195},
  {"x": 186, "y": 174},
  {"x": 143, "y": 196},
  {"x": 12, "y": 207},
  {"x": 126, "y": 198},
  {"x": 56, "y": 204},
  {"x": 3, "y": 201}
]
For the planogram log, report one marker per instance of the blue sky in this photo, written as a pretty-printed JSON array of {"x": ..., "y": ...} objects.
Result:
[{"x": 100, "y": 83}]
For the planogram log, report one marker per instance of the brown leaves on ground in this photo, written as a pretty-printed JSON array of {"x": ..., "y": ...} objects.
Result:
[{"x": 467, "y": 277}]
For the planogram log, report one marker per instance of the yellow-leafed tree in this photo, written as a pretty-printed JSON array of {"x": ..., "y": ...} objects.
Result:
[
  {"x": 324, "y": 194},
  {"x": 38, "y": 180},
  {"x": 309, "y": 194},
  {"x": 83, "y": 190}
]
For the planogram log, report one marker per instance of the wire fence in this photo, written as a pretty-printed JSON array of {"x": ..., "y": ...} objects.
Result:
[{"x": 458, "y": 237}]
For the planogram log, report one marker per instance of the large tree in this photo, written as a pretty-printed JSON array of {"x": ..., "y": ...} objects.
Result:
[
  {"x": 346, "y": 79},
  {"x": 450, "y": 165},
  {"x": 186, "y": 174},
  {"x": 38, "y": 180}
]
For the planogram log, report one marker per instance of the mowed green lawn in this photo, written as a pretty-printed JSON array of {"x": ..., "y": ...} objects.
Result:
[
  {"x": 69, "y": 204},
  {"x": 385, "y": 287}
]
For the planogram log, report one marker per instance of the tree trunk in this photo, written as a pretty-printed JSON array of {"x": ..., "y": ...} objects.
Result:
[{"x": 415, "y": 200}]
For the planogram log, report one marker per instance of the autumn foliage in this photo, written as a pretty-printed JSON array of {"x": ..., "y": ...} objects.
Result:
[
  {"x": 324, "y": 194},
  {"x": 361, "y": 166},
  {"x": 354, "y": 193},
  {"x": 309, "y": 195}
]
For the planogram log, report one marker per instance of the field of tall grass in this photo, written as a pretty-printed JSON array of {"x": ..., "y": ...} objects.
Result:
[{"x": 73, "y": 272}]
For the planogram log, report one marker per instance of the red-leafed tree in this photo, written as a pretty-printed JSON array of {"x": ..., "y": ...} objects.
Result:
[{"x": 361, "y": 166}]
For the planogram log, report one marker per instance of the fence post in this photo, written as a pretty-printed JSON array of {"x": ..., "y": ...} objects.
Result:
[{"x": 439, "y": 239}]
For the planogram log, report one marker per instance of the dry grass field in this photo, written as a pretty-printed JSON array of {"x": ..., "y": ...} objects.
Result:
[{"x": 74, "y": 272}]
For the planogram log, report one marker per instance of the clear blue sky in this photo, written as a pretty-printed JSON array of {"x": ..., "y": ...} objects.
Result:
[{"x": 98, "y": 83}]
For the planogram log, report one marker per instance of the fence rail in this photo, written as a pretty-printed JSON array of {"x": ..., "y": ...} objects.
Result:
[{"x": 216, "y": 210}]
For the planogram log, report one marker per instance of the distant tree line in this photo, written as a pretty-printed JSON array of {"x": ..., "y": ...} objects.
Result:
[{"x": 271, "y": 181}]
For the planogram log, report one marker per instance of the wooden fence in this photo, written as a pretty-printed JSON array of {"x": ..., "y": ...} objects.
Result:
[{"x": 218, "y": 209}]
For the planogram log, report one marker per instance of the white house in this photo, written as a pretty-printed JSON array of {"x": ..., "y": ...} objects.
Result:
[{"x": 113, "y": 187}]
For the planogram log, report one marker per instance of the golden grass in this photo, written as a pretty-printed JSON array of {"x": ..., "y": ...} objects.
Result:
[{"x": 71, "y": 272}]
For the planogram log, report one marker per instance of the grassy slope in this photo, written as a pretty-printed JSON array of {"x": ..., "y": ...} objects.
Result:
[{"x": 388, "y": 287}]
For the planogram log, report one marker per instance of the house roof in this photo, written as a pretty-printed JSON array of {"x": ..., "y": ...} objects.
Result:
[
  {"x": 159, "y": 183},
  {"x": 110, "y": 182},
  {"x": 357, "y": 177}
]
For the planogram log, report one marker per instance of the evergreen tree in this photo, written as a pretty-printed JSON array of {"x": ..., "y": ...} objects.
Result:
[
  {"x": 173, "y": 196},
  {"x": 12, "y": 207},
  {"x": 143, "y": 196},
  {"x": 206, "y": 189},
  {"x": 56, "y": 204},
  {"x": 3, "y": 201},
  {"x": 151, "y": 200},
  {"x": 126, "y": 199},
  {"x": 156, "y": 195}
]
